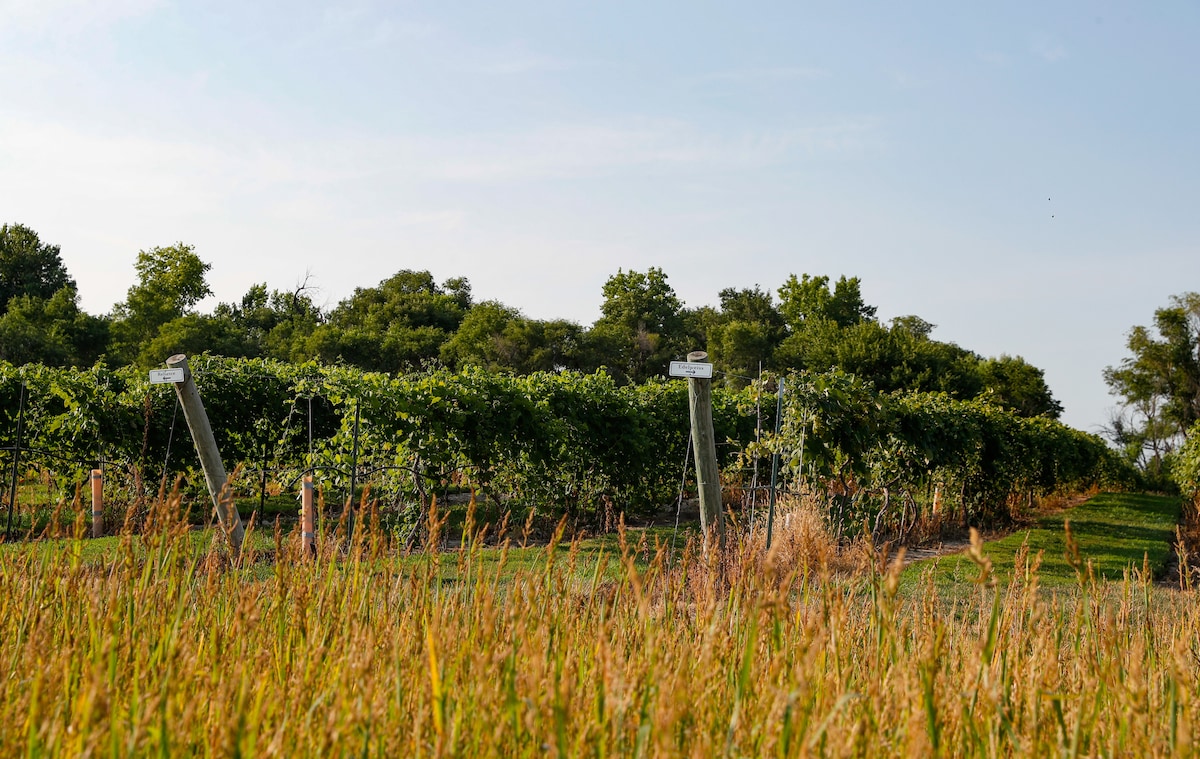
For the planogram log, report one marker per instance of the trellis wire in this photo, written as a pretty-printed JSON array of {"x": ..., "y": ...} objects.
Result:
[{"x": 679, "y": 501}]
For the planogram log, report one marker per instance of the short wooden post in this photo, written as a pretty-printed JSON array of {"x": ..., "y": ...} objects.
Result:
[
  {"x": 97, "y": 480},
  {"x": 308, "y": 528},
  {"x": 704, "y": 448},
  {"x": 210, "y": 455}
]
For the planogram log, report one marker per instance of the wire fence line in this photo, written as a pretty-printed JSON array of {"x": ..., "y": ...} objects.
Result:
[
  {"x": 40, "y": 481},
  {"x": 579, "y": 445}
]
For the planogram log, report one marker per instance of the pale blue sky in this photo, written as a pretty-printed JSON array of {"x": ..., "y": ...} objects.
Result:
[{"x": 1025, "y": 175}]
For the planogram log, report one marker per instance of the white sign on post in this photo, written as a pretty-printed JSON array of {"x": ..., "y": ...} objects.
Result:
[
  {"x": 691, "y": 369},
  {"x": 165, "y": 376}
]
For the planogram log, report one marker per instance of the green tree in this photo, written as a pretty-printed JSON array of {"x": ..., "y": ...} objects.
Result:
[
  {"x": 498, "y": 338},
  {"x": 553, "y": 344},
  {"x": 914, "y": 325},
  {"x": 753, "y": 305},
  {"x": 1185, "y": 466},
  {"x": 846, "y": 306},
  {"x": 393, "y": 327},
  {"x": 745, "y": 334},
  {"x": 479, "y": 340},
  {"x": 635, "y": 301},
  {"x": 1159, "y": 382},
  {"x": 1020, "y": 387},
  {"x": 808, "y": 299},
  {"x": 902, "y": 358},
  {"x": 28, "y": 266},
  {"x": 739, "y": 348},
  {"x": 171, "y": 281},
  {"x": 698, "y": 324},
  {"x": 274, "y": 324},
  {"x": 52, "y": 331},
  {"x": 833, "y": 328},
  {"x": 641, "y": 328},
  {"x": 194, "y": 334}
]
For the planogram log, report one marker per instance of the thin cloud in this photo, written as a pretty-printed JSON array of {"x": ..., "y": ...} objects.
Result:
[
  {"x": 905, "y": 80},
  {"x": 359, "y": 25},
  {"x": 446, "y": 219},
  {"x": 577, "y": 150},
  {"x": 767, "y": 75},
  {"x": 514, "y": 61},
  {"x": 522, "y": 65},
  {"x": 67, "y": 17},
  {"x": 1047, "y": 48}
]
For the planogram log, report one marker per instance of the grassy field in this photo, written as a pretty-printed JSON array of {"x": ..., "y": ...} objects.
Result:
[
  {"x": 1106, "y": 536},
  {"x": 158, "y": 645}
]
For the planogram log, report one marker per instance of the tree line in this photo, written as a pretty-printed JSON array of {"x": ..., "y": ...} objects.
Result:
[{"x": 410, "y": 321}]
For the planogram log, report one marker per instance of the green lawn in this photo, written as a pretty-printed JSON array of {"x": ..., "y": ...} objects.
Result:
[
  {"x": 1114, "y": 531},
  {"x": 641, "y": 543}
]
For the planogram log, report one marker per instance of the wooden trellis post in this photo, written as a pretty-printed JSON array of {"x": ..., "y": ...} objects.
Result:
[
  {"x": 97, "y": 480},
  {"x": 704, "y": 447},
  {"x": 206, "y": 449},
  {"x": 308, "y": 528}
]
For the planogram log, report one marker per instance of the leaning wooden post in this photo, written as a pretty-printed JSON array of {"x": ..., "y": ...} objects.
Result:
[
  {"x": 704, "y": 447},
  {"x": 206, "y": 449},
  {"x": 97, "y": 479},
  {"x": 308, "y": 528}
]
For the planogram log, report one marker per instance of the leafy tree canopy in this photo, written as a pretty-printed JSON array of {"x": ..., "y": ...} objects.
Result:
[
  {"x": 28, "y": 266},
  {"x": 409, "y": 320},
  {"x": 914, "y": 325},
  {"x": 745, "y": 334},
  {"x": 809, "y": 299},
  {"x": 1159, "y": 382},
  {"x": 397, "y": 325},
  {"x": 1020, "y": 387},
  {"x": 275, "y": 324},
  {"x": 642, "y": 326},
  {"x": 498, "y": 338},
  {"x": 751, "y": 305},
  {"x": 477, "y": 342},
  {"x": 51, "y": 331},
  {"x": 171, "y": 281},
  {"x": 195, "y": 334},
  {"x": 635, "y": 300},
  {"x": 891, "y": 359}
]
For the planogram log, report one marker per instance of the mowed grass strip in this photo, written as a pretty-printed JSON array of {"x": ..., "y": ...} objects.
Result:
[{"x": 1113, "y": 531}]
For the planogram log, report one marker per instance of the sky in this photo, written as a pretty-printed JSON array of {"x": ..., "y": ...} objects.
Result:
[{"x": 1024, "y": 175}]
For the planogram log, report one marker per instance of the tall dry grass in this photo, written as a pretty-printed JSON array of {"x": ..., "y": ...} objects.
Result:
[{"x": 169, "y": 651}]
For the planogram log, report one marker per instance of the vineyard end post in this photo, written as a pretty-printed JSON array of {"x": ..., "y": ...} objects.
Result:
[
  {"x": 210, "y": 455},
  {"x": 704, "y": 448}
]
